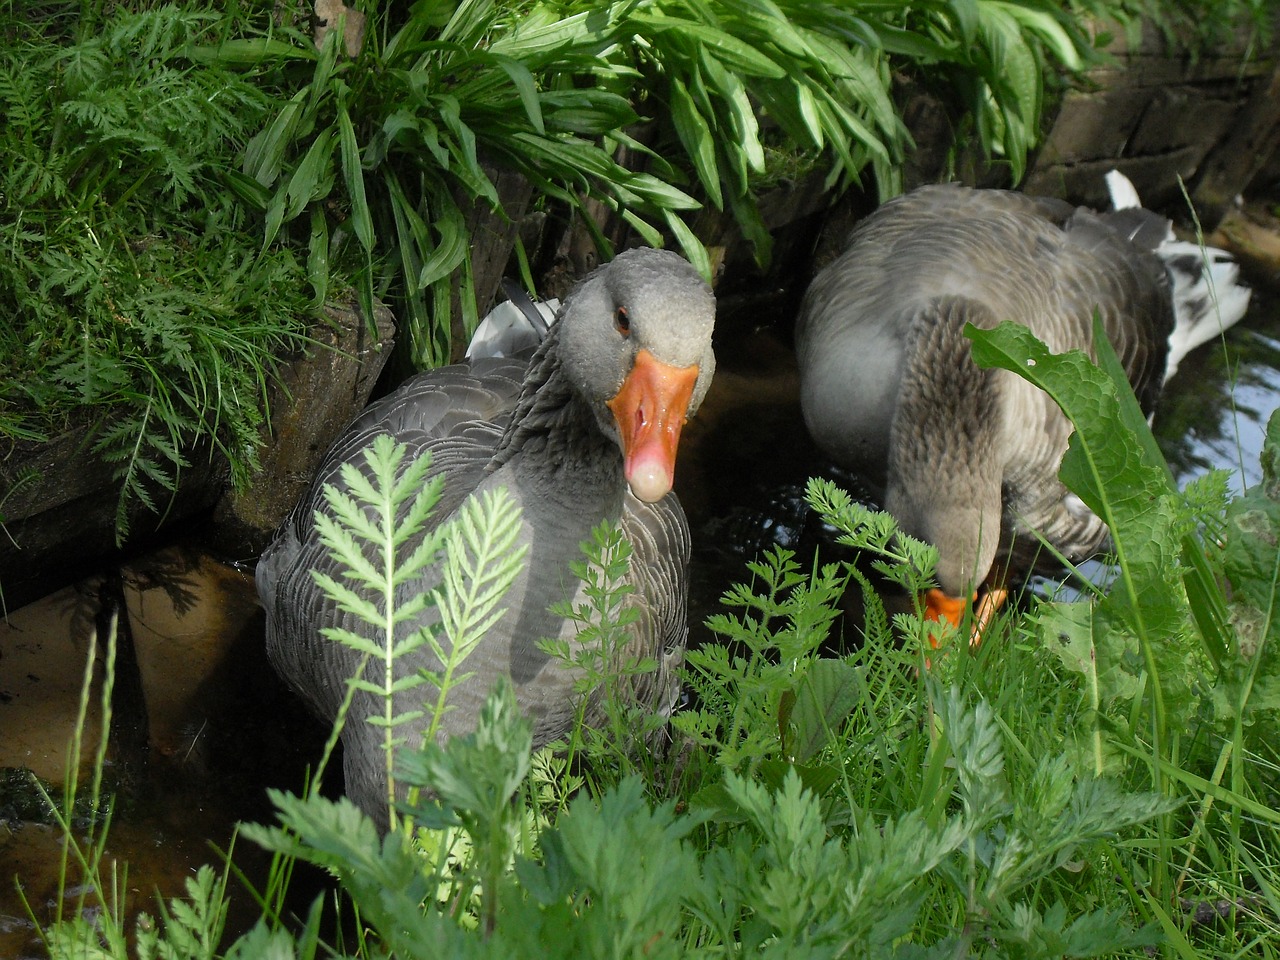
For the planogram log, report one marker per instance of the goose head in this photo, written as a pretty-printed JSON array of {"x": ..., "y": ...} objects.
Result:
[
  {"x": 635, "y": 343},
  {"x": 966, "y": 533}
]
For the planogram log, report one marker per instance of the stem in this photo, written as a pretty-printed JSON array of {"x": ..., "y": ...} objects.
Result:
[
  {"x": 388, "y": 513},
  {"x": 1094, "y": 706}
]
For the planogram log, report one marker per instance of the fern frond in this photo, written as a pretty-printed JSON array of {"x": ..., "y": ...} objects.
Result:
[{"x": 481, "y": 562}]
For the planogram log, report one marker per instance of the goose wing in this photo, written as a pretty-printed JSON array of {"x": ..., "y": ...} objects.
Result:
[{"x": 456, "y": 414}]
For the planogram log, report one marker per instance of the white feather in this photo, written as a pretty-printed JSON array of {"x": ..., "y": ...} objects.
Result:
[
  {"x": 1208, "y": 297},
  {"x": 1124, "y": 194},
  {"x": 505, "y": 331}
]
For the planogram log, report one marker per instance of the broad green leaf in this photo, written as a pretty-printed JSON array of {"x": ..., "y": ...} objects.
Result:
[
  {"x": 966, "y": 18},
  {"x": 526, "y": 87},
  {"x": 693, "y": 249},
  {"x": 451, "y": 249},
  {"x": 318, "y": 271},
  {"x": 265, "y": 152},
  {"x": 825, "y": 696},
  {"x": 462, "y": 150},
  {"x": 695, "y": 134},
  {"x": 249, "y": 52},
  {"x": 586, "y": 112},
  {"x": 745, "y": 141},
  {"x": 737, "y": 55},
  {"x": 1049, "y": 30},
  {"x": 1109, "y": 468},
  {"x": 1067, "y": 631},
  {"x": 1113, "y": 473},
  {"x": 353, "y": 177},
  {"x": 313, "y": 177}
]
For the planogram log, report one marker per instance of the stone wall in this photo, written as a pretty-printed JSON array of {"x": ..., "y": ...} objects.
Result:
[{"x": 1159, "y": 112}]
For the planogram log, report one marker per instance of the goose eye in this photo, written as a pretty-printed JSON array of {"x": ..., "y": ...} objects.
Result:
[{"x": 622, "y": 322}]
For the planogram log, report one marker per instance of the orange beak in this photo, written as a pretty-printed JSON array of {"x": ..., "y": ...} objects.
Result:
[
  {"x": 650, "y": 409},
  {"x": 941, "y": 606}
]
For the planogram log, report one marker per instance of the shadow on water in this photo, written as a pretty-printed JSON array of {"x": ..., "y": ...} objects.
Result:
[{"x": 203, "y": 726}]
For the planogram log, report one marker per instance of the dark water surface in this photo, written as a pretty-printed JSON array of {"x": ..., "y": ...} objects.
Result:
[{"x": 209, "y": 727}]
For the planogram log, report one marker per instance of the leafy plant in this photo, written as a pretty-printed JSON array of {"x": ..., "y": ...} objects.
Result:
[
  {"x": 1179, "y": 654},
  {"x": 382, "y": 155},
  {"x": 621, "y": 876},
  {"x": 392, "y": 148},
  {"x": 607, "y": 675},
  {"x": 385, "y": 549},
  {"x": 995, "y": 57},
  {"x": 861, "y": 805},
  {"x": 140, "y": 301},
  {"x": 747, "y": 686}
]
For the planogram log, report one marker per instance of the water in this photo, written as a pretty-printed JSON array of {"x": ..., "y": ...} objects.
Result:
[
  {"x": 207, "y": 726},
  {"x": 201, "y": 727}
]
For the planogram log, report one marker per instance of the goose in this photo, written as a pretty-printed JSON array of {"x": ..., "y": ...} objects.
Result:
[
  {"x": 964, "y": 458},
  {"x": 585, "y": 431}
]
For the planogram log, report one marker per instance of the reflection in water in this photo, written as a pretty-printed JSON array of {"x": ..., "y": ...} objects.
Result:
[
  {"x": 1215, "y": 410},
  {"x": 200, "y": 726},
  {"x": 219, "y": 727}
]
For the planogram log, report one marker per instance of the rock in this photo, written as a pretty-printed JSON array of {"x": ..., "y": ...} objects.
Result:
[
  {"x": 315, "y": 396},
  {"x": 1161, "y": 112}
]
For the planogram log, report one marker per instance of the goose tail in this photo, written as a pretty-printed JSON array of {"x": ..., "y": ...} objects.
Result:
[
  {"x": 516, "y": 325},
  {"x": 1208, "y": 295}
]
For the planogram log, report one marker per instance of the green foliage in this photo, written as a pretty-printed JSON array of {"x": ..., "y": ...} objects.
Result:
[
  {"x": 1206, "y": 574},
  {"x": 391, "y": 150},
  {"x": 647, "y": 109},
  {"x": 749, "y": 687},
  {"x": 607, "y": 673},
  {"x": 995, "y": 57},
  {"x": 736, "y": 80},
  {"x": 856, "y": 805},
  {"x": 174, "y": 173},
  {"x": 138, "y": 298},
  {"x": 385, "y": 549},
  {"x": 1126, "y": 483},
  {"x": 191, "y": 928},
  {"x": 1178, "y": 655},
  {"x": 621, "y": 876}
]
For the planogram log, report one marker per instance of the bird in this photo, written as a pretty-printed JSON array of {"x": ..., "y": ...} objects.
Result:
[
  {"x": 584, "y": 431},
  {"x": 964, "y": 458}
]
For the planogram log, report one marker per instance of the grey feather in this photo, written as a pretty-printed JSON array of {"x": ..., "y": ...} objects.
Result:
[{"x": 969, "y": 459}]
